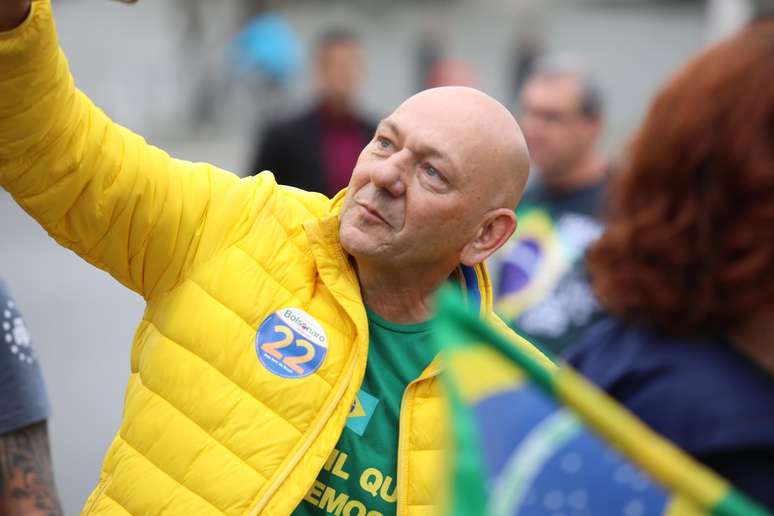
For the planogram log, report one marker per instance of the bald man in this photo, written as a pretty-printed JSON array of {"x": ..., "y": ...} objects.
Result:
[{"x": 282, "y": 365}]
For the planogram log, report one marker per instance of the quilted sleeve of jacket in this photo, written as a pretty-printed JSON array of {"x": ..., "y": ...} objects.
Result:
[{"x": 97, "y": 188}]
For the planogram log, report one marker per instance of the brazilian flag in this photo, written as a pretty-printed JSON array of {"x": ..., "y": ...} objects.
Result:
[{"x": 533, "y": 441}]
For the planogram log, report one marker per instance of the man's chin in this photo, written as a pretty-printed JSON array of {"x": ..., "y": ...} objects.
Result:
[
  {"x": 357, "y": 247},
  {"x": 358, "y": 243}
]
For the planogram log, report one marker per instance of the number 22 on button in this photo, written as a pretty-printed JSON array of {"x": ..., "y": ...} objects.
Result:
[{"x": 293, "y": 362}]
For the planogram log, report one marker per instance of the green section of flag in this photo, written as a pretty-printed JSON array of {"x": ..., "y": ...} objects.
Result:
[
  {"x": 468, "y": 494},
  {"x": 737, "y": 504},
  {"x": 458, "y": 327}
]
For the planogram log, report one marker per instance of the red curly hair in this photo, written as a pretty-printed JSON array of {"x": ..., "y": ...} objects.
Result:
[{"x": 689, "y": 246}]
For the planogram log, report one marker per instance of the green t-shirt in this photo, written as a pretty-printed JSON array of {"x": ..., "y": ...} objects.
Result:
[{"x": 359, "y": 478}]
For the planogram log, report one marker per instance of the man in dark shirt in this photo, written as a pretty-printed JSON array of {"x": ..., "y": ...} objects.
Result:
[
  {"x": 540, "y": 281},
  {"x": 26, "y": 476},
  {"x": 317, "y": 149}
]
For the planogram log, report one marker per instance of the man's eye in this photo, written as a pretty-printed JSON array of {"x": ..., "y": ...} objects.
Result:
[
  {"x": 433, "y": 172},
  {"x": 383, "y": 143}
]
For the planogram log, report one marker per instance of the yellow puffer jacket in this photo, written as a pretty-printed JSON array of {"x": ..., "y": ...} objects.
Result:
[{"x": 214, "y": 421}]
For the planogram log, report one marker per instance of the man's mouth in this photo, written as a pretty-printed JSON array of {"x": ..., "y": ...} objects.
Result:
[{"x": 373, "y": 214}]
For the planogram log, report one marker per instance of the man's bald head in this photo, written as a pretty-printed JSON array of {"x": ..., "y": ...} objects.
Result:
[
  {"x": 438, "y": 184},
  {"x": 485, "y": 131}
]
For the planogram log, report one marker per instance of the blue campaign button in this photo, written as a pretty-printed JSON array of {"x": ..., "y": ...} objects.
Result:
[{"x": 291, "y": 343}]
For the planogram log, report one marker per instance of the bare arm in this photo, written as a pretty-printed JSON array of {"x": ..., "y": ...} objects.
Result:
[
  {"x": 12, "y": 13},
  {"x": 26, "y": 476}
]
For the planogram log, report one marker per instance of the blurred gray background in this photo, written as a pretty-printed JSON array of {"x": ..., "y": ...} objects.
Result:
[{"x": 160, "y": 68}]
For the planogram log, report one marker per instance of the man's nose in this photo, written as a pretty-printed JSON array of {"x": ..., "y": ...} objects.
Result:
[{"x": 390, "y": 174}]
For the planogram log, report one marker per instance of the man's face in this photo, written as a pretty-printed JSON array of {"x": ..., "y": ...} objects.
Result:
[
  {"x": 557, "y": 132},
  {"x": 413, "y": 199},
  {"x": 339, "y": 71}
]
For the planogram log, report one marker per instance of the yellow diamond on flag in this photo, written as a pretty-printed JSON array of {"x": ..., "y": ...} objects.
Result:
[{"x": 357, "y": 409}]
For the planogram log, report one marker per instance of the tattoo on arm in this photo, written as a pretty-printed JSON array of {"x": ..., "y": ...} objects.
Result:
[{"x": 26, "y": 475}]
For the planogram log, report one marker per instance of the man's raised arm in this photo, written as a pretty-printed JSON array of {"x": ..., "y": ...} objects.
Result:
[{"x": 99, "y": 189}]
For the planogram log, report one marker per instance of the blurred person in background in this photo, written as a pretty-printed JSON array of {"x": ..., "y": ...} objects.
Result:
[
  {"x": 686, "y": 266},
  {"x": 26, "y": 474},
  {"x": 451, "y": 72},
  {"x": 541, "y": 285},
  {"x": 429, "y": 50},
  {"x": 317, "y": 149},
  {"x": 284, "y": 361},
  {"x": 764, "y": 9},
  {"x": 434, "y": 66},
  {"x": 525, "y": 52}
]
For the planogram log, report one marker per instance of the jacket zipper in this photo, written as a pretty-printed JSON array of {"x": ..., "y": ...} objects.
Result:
[
  {"x": 402, "y": 441},
  {"x": 311, "y": 438}
]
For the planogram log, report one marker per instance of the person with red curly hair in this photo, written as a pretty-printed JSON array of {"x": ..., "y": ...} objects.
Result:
[{"x": 685, "y": 267}]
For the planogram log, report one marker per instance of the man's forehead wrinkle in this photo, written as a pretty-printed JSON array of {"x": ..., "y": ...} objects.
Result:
[
  {"x": 388, "y": 123},
  {"x": 419, "y": 143},
  {"x": 431, "y": 151}
]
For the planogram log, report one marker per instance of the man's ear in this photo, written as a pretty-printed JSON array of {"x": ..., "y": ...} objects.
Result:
[{"x": 497, "y": 228}]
